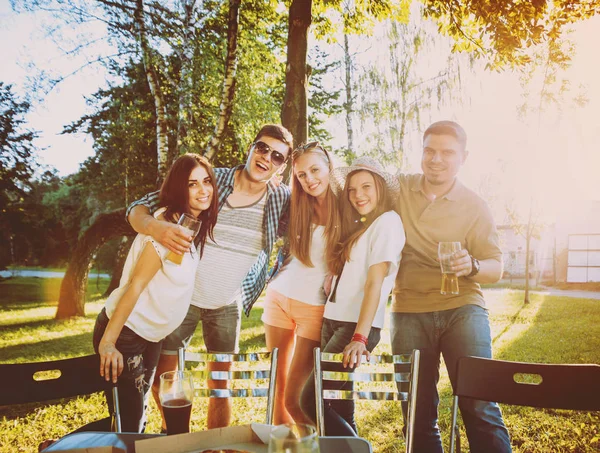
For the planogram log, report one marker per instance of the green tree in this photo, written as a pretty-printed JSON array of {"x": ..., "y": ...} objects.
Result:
[
  {"x": 502, "y": 31},
  {"x": 16, "y": 169},
  {"x": 396, "y": 93},
  {"x": 546, "y": 90}
]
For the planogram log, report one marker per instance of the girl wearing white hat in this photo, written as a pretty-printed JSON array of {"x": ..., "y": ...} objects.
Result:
[{"x": 365, "y": 261}]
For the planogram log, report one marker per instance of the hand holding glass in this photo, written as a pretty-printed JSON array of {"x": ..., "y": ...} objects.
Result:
[
  {"x": 446, "y": 251},
  {"x": 176, "y": 393},
  {"x": 191, "y": 227},
  {"x": 292, "y": 438}
]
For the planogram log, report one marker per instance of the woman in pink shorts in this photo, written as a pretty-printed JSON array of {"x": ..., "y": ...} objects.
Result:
[{"x": 295, "y": 300}]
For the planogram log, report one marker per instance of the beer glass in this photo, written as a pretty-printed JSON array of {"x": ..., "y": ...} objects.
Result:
[
  {"x": 294, "y": 438},
  {"x": 192, "y": 227},
  {"x": 176, "y": 393},
  {"x": 446, "y": 251}
]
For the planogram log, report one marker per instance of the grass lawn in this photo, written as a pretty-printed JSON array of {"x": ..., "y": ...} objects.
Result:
[{"x": 548, "y": 330}]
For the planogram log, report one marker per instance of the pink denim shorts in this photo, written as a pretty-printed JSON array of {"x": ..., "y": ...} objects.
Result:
[{"x": 291, "y": 314}]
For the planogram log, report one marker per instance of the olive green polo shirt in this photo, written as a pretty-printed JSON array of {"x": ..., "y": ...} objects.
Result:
[{"x": 460, "y": 215}]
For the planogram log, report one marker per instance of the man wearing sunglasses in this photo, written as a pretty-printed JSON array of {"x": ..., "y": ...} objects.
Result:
[{"x": 233, "y": 269}]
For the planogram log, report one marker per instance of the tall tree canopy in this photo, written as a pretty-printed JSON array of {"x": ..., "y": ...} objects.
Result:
[
  {"x": 503, "y": 31},
  {"x": 16, "y": 169},
  {"x": 195, "y": 75}
]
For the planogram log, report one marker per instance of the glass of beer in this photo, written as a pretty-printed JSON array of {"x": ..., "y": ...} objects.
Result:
[
  {"x": 446, "y": 251},
  {"x": 176, "y": 393},
  {"x": 294, "y": 438},
  {"x": 191, "y": 226}
]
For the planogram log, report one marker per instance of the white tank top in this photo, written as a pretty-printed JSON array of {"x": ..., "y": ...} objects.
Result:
[
  {"x": 163, "y": 304},
  {"x": 303, "y": 283}
]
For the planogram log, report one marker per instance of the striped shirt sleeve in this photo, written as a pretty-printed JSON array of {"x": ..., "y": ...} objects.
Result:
[{"x": 149, "y": 200}]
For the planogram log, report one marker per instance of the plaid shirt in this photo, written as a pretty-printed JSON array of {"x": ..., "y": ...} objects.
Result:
[{"x": 275, "y": 224}]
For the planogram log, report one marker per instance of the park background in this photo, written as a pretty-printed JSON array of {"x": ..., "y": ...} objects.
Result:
[{"x": 98, "y": 97}]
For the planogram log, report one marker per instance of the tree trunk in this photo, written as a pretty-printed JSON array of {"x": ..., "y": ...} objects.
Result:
[
  {"x": 349, "y": 104},
  {"x": 528, "y": 234},
  {"x": 162, "y": 146},
  {"x": 122, "y": 252},
  {"x": 294, "y": 115},
  {"x": 527, "y": 244},
  {"x": 72, "y": 289},
  {"x": 186, "y": 55},
  {"x": 229, "y": 80}
]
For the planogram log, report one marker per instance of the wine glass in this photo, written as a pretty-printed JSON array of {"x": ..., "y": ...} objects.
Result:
[
  {"x": 191, "y": 227},
  {"x": 176, "y": 393},
  {"x": 294, "y": 438}
]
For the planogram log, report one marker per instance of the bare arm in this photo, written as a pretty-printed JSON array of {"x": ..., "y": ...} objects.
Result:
[
  {"x": 490, "y": 270},
  {"x": 146, "y": 267},
  {"x": 168, "y": 234},
  {"x": 375, "y": 276}
]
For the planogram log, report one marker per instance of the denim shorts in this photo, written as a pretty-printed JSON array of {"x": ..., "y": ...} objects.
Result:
[
  {"x": 220, "y": 329},
  {"x": 291, "y": 314}
]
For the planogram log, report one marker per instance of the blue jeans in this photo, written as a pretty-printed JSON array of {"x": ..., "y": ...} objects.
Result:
[
  {"x": 140, "y": 358},
  {"x": 339, "y": 414},
  {"x": 463, "y": 331}
]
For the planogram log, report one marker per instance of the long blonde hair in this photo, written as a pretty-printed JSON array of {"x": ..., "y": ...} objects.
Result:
[
  {"x": 353, "y": 225},
  {"x": 302, "y": 211}
]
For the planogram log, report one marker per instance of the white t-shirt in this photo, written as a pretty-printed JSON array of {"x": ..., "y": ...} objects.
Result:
[
  {"x": 382, "y": 242},
  {"x": 163, "y": 304},
  {"x": 299, "y": 282}
]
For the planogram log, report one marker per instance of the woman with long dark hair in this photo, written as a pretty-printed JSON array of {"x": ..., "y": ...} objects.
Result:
[{"x": 154, "y": 293}]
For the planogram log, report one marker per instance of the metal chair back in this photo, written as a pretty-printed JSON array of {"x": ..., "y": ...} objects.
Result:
[
  {"x": 555, "y": 386},
  {"x": 258, "y": 369},
  {"x": 402, "y": 370}
]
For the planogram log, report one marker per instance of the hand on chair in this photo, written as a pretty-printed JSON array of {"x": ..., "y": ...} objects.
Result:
[
  {"x": 353, "y": 353},
  {"x": 110, "y": 357}
]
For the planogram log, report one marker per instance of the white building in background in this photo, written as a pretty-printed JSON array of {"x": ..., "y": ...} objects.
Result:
[
  {"x": 514, "y": 248},
  {"x": 578, "y": 243},
  {"x": 567, "y": 251}
]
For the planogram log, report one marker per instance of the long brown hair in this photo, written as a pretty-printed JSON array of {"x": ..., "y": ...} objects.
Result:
[
  {"x": 302, "y": 211},
  {"x": 352, "y": 226},
  {"x": 174, "y": 195}
]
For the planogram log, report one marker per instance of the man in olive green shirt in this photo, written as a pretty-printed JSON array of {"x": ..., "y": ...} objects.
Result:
[{"x": 435, "y": 207}]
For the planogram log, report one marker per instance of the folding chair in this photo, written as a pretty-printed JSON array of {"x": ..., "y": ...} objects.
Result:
[
  {"x": 45, "y": 381},
  {"x": 549, "y": 386},
  {"x": 256, "y": 368},
  {"x": 403, "y": 370}
]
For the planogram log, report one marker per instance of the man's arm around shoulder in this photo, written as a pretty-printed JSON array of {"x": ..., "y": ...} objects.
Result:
[{"x": 168, "y": 234}]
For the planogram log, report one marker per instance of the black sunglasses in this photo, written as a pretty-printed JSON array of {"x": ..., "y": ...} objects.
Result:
[{"x": 262, "y": 148}]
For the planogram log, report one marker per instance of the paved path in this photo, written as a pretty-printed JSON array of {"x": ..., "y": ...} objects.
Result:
[
  {"x": 556, "y": 292},
  {"x": 570, "y": 293},
  {"x": 41, "y": 274}
]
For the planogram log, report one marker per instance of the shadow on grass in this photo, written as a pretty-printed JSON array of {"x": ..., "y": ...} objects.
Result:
[
  {"x": 44, "y": 321},
  {"x": 12, "y": 306},
  {"x": 558, "y": 333},
  {"x": 65, "y": 346}
]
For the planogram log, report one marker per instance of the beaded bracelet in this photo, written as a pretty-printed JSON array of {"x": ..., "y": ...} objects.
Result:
[{"x": 360, "y": 338}]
